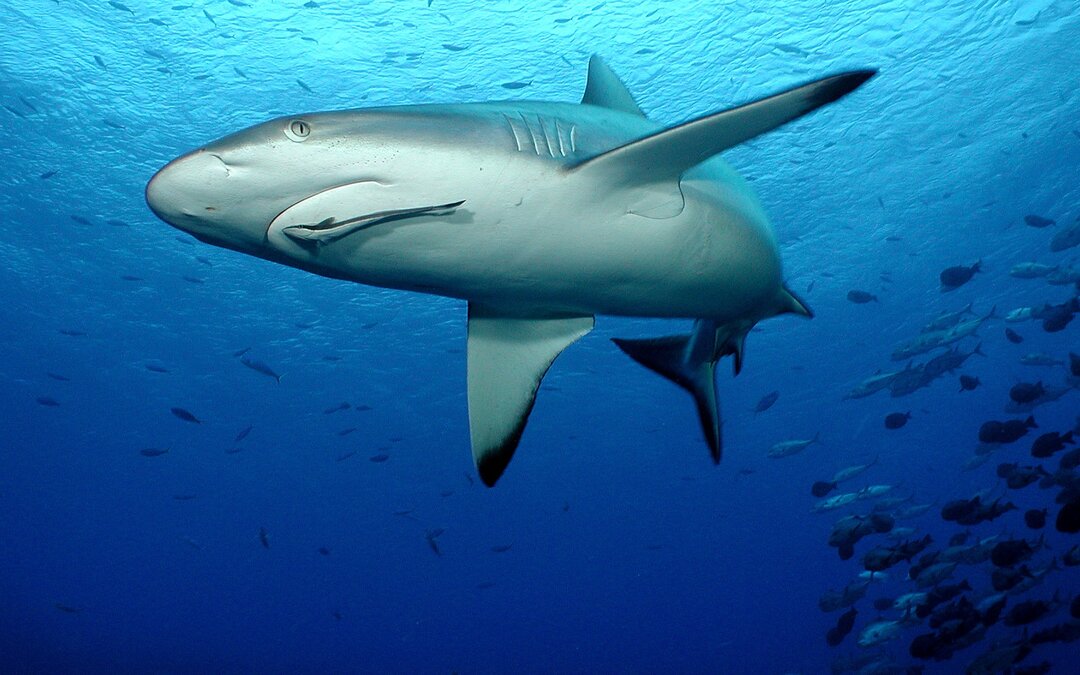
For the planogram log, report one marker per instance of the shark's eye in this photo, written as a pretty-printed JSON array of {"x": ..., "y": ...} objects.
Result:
[{"x": 298, "y": 130}]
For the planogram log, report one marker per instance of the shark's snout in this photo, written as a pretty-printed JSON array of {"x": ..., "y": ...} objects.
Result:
[{"x": 183, "y": 192}]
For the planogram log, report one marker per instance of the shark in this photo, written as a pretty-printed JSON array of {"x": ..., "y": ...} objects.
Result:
[{"x": 540, "y": 215}]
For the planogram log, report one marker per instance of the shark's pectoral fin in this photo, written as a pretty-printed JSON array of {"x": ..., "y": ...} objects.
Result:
[
  {"x": 666, "y": 155},
  {"x": 507, "y": 358},
  {"x": 604, "y": 88}
]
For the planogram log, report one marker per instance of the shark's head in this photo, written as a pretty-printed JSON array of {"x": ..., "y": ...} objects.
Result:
[
  {"x": 229, "y": 191},
  {"x": 278, "y": 189}
]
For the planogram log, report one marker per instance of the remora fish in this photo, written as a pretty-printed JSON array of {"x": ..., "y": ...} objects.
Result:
[{"x": 540, "y": 215}]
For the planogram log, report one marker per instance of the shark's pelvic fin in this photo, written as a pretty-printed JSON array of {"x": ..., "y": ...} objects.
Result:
[
  {"x": 604, "y": 88},
  {"x": 507, "y": 358},
  {"x": 666, "y": 155},
  {"x": 690, "y": 362},
  {"x": 793, "y": 304}
]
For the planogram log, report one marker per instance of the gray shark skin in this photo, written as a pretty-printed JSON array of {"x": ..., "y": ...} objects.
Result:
[{"x": 540, "y": 215}]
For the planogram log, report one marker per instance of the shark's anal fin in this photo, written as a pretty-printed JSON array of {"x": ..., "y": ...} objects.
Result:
[
  {"x": 666, "y": 155},
  {"x": 507, "y": 358},
  {"x": 690, "y": 362},
  {"x": 605, "y": 89}
]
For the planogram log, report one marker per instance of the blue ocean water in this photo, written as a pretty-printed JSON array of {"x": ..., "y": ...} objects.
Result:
[{"x": 612, "y": 544}]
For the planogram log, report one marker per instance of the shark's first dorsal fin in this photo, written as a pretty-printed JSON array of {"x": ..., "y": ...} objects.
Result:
[
  {"x": 507, "y": 358},
  {"x": 604, "y": 88},
  {"x": 666, "y": 155}
]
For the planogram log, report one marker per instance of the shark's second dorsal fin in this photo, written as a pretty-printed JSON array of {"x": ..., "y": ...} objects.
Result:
[
  {"x": 666, "y": 155},
  {"x": 507, "y": 358},
  {"x": 605, "y": 89}
]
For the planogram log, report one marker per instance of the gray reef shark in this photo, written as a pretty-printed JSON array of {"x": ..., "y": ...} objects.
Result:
[{"x": 539, "y": 215}]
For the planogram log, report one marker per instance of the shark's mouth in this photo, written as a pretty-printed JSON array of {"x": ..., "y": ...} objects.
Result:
[{"x": 336, "y": 213}]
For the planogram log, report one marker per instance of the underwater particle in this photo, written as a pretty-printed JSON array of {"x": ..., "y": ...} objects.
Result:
[
  {"x": 47, "y": 401},
  {"x": 1013, "y": 337},
  {"x": 969, "y": 383},
  {"x": 1033, "y": 220},
  {"x": 1035, "y": 518},
  {"x": 956, "y": 276},
  {"x": 896, "y": 420},
  {"x": 185, "y": 415},
  {"x": 153, "y": 452},
  {"x": 861, "y": 297}
]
